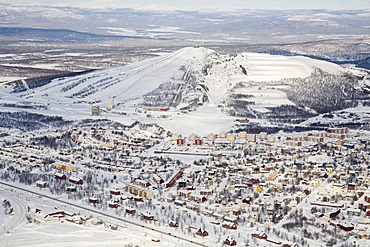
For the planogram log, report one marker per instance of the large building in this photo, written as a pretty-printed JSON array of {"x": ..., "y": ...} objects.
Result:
[
  {"x": 110, "y": 103},
  {"x": 138, "y": 191},
  {"x": 95, "y": 111}
]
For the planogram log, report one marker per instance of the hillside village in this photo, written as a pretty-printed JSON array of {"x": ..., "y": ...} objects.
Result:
[
  {"x": 216, "y": 150},
  {"x": 184, "y": 123},
  {"x": 282, "y": 189}
]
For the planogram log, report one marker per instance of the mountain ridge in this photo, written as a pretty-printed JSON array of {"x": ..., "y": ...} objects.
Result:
[{"x": 191, "y": 79}]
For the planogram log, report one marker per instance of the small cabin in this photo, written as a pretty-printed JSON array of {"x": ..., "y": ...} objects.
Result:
[
  {"x": 75, "y": 180},
  {"x": 237, "y": 212},
  {"x": 230, "y": 226},
  {"x": 41, "y": 184},
  {"x": 138, "y": 199},
  {"x": 198, "y": 142},
  {"x": 71, "y": 189},
  {"x": 260, "y": 235},
  {"x": 60, "y": 176},
  {"x": 202, "y": 232},
  {"x": 93, "y": 200},
  {"x": 182, "y": 184},
  {"x": 113, "y": 204},
  {"x": 180, "y": 141},
  {"x": 115, "y": 192},
  {"x": 130, "y": 210},
  {"x": 174, "y": 224},
  {"x": 230, "y": 242},
  {"x": 148, "y": 216}
]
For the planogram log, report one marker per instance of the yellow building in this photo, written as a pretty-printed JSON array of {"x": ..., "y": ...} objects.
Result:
[
  {"x": 95, "y": 111},
  {"x": 136, "y": 190}
]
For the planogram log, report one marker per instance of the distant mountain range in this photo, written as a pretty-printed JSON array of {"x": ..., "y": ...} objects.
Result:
[{"x": 199, "y": 26}]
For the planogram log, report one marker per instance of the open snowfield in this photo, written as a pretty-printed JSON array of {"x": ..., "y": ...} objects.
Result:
[
  {"x": 265, "y": 67},
  {"x": 59, "y": 234},
  {"x": 206, "y": 120},
  {"x": 265, "y": 97},
  {"x": 4, "y": 219},
  {"x": 6, "y": 79}
]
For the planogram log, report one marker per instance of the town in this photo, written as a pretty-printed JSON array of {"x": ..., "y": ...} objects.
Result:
[{"x": 224, "y": 189}]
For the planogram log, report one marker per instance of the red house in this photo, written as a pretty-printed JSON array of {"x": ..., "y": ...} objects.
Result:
[
  {"x": 180, "y": 141},
  {"x": 148, "y": 216},
  {"x": 75, "y": 180},
  {"x": 346, "y": 227},
  {"x": 202, "y": 233},
  {"x": 237, "y": 212},
  {"x": 113, "y": 204},
  {"x": 230, "y": 226},
  {"x": 367, "y": 199},
  {"x": 230, "y": 242},
  {"x": 254, "y": 180},
  {"x": 58, "y": 214},
  {"x": 198, "y": 142},
  {"x": 130, "y": 210},
  {"x": 307, "y": 192},
  {"x": 138, "y": 199},
  {"x": 290, "y": 245},
  {"x": 351, "y": 187},
  {"x": 93, "y": 200},
  {"x": 260, "y": 235},
  {"x": 115, "y": 192},
  {"x": 60, "y": 176},
  {"x": 174, "y": 224},
  {"x": 174, "y": 179}
]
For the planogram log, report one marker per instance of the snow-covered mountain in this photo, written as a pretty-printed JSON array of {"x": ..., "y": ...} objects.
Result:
[
  {"x": 197, "y": 82},
  {"x": 200, "y": 25}
]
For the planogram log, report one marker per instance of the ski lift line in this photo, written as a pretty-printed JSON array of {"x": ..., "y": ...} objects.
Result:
[
  {"x": 102, "y": 72},
  {"x": 176, "y": 56},
  {"x": 181, "y": 85},
  {"x": 147, "y": 67},
  {"x": 25, "y": 84}
]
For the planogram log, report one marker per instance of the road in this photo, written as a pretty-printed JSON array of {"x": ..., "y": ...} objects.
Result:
[
  {"x": 128, "y": 222},
  {"x": 19, "y": 209}
]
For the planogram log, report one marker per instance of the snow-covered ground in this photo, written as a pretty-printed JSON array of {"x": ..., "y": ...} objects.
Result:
[
  {"x": 4, "y": 218},
  {"x": 206, "y": 120},
  {"x": 265, "y": 67},
  {"x": 73, "y": 97},
  {"x": 6, "y": 79},
  {"x": 61, "y": 232}
]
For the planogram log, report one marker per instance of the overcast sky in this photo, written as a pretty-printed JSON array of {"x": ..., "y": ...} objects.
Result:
[{"x": 197, "y": 4}]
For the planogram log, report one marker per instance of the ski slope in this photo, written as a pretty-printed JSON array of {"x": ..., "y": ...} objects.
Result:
[{"x": 207, "y": 72}]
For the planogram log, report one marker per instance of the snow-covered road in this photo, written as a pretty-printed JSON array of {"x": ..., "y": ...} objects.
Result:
[{"x": 19, "y": 211}]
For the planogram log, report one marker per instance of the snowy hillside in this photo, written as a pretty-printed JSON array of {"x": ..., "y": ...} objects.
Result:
[{"x": 174, "y": 86}]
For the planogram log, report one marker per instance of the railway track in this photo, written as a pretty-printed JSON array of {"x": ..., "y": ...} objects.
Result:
[{"x": 105, "y": 214}]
